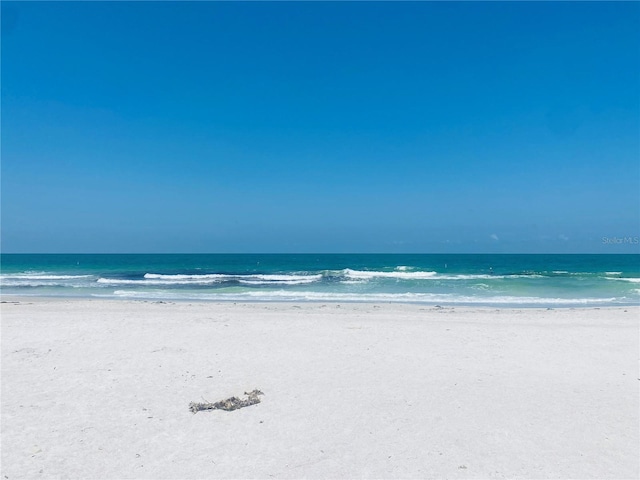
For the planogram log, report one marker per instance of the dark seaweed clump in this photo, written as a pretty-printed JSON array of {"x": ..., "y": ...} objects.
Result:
[{"x": 228, "y": 404}]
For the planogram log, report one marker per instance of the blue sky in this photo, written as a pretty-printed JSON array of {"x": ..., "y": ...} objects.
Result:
[{"x": 320, "y": 127}]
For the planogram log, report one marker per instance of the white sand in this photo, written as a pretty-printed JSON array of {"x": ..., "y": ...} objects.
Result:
[{"x": 101, "y": 389}]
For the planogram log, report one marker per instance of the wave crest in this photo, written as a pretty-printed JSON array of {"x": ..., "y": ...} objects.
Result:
[{"x": 368, "y": 274}]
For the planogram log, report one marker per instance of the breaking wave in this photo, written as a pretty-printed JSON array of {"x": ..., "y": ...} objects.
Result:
[
  {"x": 400, "y": 274},
  {"x": 345, "y": 279},
  {"x": 426, "y": 298}
]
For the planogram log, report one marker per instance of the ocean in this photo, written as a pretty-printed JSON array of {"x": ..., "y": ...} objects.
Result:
[{"x": 438, "y": 279}]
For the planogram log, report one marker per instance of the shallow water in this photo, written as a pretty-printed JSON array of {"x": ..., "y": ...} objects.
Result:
[{"x": 500, "y": 280}]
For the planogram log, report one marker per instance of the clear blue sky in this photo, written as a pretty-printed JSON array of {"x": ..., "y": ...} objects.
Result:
[{"x": 320, "y": 127}]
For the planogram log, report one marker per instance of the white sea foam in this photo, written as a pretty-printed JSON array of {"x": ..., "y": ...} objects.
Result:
[
  {"x": 632, "y": 280},
  {"x": 448, "y": 299},
  {"x": 146, "y": 281},
  {"x": 468, "y": 277},
  {"x": 575, "y": 274},
  {"x": 38, "y": 283},
  {"x": 613, "y": 273},
  {"x": 365, "y": 274},
  {"x": 247, "y": 279},
  {"x": 158, "y": 276},
  {"x": 222, "y": 276},
  {"x": 299, "y": 281},
  {"x": 288, "y": 278},
  {"x": 41, "y": 276},
  {"x": 151, "y": 279},
  {"x": 43, "y": 279}
]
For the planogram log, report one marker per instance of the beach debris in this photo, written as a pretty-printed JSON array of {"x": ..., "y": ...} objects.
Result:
[{"x": 228, "y": 404}]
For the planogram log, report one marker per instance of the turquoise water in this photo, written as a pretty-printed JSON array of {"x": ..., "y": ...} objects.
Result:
[{"x": 500, "y": 280}]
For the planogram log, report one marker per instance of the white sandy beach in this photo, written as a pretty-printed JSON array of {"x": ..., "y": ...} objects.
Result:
[{"x": 100, "y": 389}]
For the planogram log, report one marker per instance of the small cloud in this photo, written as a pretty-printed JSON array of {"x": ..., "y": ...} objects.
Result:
[
  {"x": 563, "y": 237},
  {"x": 493, "y": 236},
  {"x": 399, "y": 242}
]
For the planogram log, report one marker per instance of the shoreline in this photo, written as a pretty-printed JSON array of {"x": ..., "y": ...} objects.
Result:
[
  {"x": 100, "y": 388},
  {"x": 12, "y": 298}
]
